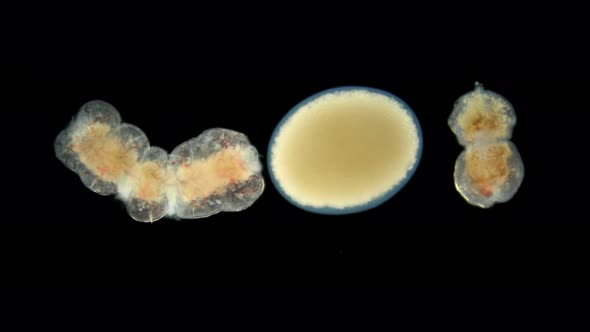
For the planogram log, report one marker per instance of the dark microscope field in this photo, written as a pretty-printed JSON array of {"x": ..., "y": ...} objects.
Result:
[{"x": 426, "y": 235}]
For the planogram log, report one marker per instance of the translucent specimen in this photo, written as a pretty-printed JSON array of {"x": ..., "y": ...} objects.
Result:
[
  {"x": 216, "y": 171},
  {"x": 344, "y": 150},
  {"x": 490, "y": 169}
]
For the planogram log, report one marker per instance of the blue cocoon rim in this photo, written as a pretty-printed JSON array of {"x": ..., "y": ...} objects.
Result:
[{"x": 359, "y": 208}]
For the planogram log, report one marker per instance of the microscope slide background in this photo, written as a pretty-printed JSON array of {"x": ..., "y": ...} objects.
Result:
[{"x": 60, "y": 233}]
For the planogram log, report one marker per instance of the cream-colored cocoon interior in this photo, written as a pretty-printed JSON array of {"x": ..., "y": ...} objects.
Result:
[{"x": 344, "y": 149}]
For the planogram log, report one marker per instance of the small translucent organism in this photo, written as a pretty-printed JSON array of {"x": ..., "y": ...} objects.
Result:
[
  {"x": 344, "y": 150},
  {"x": 217, "y": 171},
  {"x": 490, "y": 169}
]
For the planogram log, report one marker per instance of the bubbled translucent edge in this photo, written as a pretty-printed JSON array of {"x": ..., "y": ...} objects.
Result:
[{"x": 104, "y": 112}]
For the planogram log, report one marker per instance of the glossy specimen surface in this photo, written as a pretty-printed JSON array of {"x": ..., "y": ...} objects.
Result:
[
  {"x": 490, "y": 169},
  {"x": 217, "y": 171}
]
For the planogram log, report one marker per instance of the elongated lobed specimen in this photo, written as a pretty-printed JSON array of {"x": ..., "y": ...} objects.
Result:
[
  {"x": 217, "y": 171},
  {"x": 490, "y": 169}
]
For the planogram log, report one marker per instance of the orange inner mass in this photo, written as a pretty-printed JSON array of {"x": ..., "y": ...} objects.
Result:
[
  {"x": 150, "y": 178},
  {"x": 488, "y": 167},
  {"x": 203, "y": 178},
  {"x": 479, "y": 120},
  {"x": 103, "y": 154}
]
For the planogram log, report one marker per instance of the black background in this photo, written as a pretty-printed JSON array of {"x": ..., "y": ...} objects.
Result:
[
  {"x": 63, "y": 234},
  {"x": 167, "y": 69}
]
